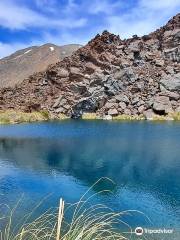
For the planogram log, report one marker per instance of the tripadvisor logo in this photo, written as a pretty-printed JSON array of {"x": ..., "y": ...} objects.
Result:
[{"x": 139, "y": 231}]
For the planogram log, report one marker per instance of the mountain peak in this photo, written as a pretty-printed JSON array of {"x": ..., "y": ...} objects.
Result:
[
  {"x": 173, "y": 23},
  {"x": 23, "y": 63},
  {"x": 108, "y": 76}
]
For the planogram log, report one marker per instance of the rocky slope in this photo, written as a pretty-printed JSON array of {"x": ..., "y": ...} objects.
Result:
[
  {"x": 108, "y": 76},
  {"x": 23, "y": 63}
]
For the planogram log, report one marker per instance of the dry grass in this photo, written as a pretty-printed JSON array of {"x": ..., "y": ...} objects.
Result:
[
  {"x": 128, "y": 117},
  {"x": 90, "y": 116},
  {"x": 87, "y": 222},
  {"x": 163, "y": 118},
  {"x": 176, "y": 116},
  {"x": 62, "y": 116},
  {"x": 11, "y": 116}
]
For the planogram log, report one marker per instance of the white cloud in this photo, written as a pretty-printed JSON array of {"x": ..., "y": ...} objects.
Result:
[
  {"x": 125, "y": 29},
  {"x": 64, "y": 38},
  {"x": 14, "y": 16},
  {"x": 160, "y": 4},
  {"x": 118, "y": 16},
  {"x": 47, "y": 5},
  {"x": 144, "y": 18},
  {"x": 103, "y": 6}
]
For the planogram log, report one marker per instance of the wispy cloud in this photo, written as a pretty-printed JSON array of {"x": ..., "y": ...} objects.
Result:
[
  {"x": 104, "y": 6},
  {"x": 18, "y": 17},
  {"x": 76, "y": 21},
  {"x": 160, "y": 4},
  {"x": 143, "y": 18}
]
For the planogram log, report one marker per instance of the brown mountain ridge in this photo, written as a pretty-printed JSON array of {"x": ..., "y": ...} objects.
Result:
[
  {"x": 109, "y": 77},
  {"x": 23, "y": 63}
]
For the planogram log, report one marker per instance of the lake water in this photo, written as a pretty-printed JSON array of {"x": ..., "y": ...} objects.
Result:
[{"x": 63, "y": 159}]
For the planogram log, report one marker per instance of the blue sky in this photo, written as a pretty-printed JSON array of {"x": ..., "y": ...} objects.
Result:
[{"x": 34, "y": 22}]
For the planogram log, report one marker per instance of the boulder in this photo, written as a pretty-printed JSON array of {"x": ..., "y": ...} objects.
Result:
[
  {"x": 162, "y": 105},
  {"x": 90, "y": 67},
  {"x": 149, "y": 114},
  {"x": 84, "y": 105},
  {"x": 62, "y": 73},
  {"x": 171, "y": 83},
  {"x": 113, "y": 112},
  {"x": 135, "y": 100},
  {"x": 79, "y": 88},
  {"x": 170, "y": 70},
  {"x": 112, "y": 86},
  {"x": 59, "y": 102},
  {"x": 122, "y": 98},
  {"x": 122, "y": 105},
  {"x": 141, "y": 109},
  {"x": 172, "y": 54},
  {"x": 60, "y": 110},
  {"x": 130, "y": 75},
  {"x": 76, "y": 72},
  {"x": 125, "y": 75},
  {"x": 127, "y": 112},
  {"x": 159, "y": 62},
  {"x": 109, "y": 105},
  {"x": 172, "y": 95},
  {"x": 97, "y": 79}
]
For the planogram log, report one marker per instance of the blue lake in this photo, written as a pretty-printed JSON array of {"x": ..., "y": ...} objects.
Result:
[{"x": 63, "y": 159}]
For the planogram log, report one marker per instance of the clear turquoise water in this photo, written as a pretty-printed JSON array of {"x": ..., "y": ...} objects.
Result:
[{"x": 64, "y": 159}]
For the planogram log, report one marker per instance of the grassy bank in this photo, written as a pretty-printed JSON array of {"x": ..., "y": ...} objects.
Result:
[{"x": 13, "y": 117}]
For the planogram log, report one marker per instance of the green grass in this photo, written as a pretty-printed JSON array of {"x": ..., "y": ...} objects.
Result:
[
  {"x": 12, "y": 116},
  {"x": 45, "y": 114},
  {"x": 87, "y": 222}
]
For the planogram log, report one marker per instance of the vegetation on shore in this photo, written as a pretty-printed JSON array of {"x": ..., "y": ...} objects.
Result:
[
  {"x": 86, "y": 222},
  {"x": 12, "y": 117},
  {"x": 176, "y": 116},
  {"x": 127, "y": 117}
]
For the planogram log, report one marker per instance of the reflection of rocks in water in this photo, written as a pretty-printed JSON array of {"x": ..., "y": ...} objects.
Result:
[{"x": 123, "y": 156}]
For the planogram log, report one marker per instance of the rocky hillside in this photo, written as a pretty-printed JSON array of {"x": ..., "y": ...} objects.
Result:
[
  {"x": 23, "y": 63},
  {"x": 108, "y": 76}
]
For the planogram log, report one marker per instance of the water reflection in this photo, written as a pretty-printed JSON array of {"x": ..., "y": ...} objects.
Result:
[{"x": 142, "y": 159}]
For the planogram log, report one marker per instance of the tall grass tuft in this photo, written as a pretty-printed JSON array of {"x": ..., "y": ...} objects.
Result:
[{"x": 87, "y": 222}]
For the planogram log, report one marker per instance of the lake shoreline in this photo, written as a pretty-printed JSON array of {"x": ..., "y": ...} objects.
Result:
[{"x": 16, "y": 117}]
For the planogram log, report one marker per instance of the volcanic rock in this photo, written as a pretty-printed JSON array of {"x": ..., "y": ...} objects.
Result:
[
  {"x": 108, "y": 76},
  {"x": 171, "y": 83}
]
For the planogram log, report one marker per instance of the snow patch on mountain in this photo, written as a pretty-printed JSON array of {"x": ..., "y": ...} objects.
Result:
[
  {"x": 52, "y": 49},
  {"x": 28, "y": 51}
]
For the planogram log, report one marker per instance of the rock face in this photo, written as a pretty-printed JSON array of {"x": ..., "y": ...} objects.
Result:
[
  {"x": 20, "y": 65},
  {"x": 171, "y": 83},
  {"x": 108, "y": 76}
]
